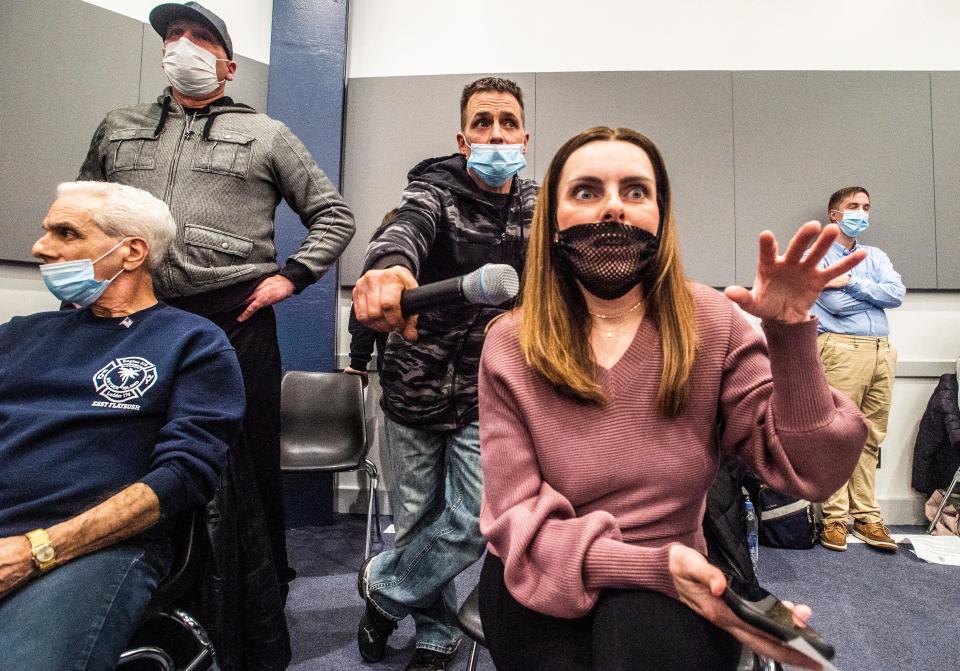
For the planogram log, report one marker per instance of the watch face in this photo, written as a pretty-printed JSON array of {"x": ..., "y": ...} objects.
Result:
[{"x": 45, "y": 554}]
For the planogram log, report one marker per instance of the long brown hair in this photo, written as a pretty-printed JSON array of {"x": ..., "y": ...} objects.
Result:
[{"x": 554, "y": 330}]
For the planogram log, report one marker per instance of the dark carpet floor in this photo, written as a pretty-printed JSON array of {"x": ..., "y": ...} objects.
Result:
[
  {"x": 882, "y": 612},
  {"x": 323, "y": 608}
]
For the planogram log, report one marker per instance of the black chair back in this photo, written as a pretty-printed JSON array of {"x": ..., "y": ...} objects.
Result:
[
  {"x": 169, "y": 638},
  {"x": 322, "y": 422},
  {"x": 469, "y": 617},
  {"x": 469, "y": 620},
  {"x": 190, "y": 550}
]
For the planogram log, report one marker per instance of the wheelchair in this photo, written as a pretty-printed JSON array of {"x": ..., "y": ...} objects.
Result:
[{"x": 169, "y": 638}]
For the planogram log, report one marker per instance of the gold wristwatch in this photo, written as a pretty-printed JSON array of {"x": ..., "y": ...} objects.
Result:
[{"x": 44, "y": 554}]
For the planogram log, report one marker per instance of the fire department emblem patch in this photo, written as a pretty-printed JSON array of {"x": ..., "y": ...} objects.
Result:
[{"x": 125, "y": 379}]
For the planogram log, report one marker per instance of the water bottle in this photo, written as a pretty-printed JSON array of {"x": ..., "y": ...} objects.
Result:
[{"x": 752, "y": 529}]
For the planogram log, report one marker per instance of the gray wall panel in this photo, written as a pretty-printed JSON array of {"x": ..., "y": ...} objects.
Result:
[
  {"x": 392, "y": 124},
  {"x": 248, "y": 87},
  {"x": 799, "y": 136},
  {"x": 945, "y": 89},
  {"x": 54, "y": 98},
  {"x": 64, "y": 63},
  {"x": 689, "y": 116}
]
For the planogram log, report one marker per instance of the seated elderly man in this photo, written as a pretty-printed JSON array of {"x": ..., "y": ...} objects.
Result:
[{"x": 114, "y": 418}]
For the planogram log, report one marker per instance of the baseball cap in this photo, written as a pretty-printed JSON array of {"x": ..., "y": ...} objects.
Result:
[{"x": 162, "y": 15}]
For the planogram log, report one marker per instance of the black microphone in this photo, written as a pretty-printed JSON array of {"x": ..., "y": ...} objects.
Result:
[{"x": 491, "y": 284}]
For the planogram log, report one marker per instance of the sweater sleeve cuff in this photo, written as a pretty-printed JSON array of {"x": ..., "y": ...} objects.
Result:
[
  {"x": 802, "y": 399},
  {"x": 298, "y": 274},
  {"x": 613, "y": 563},
  {"x": 391, "y": 260},
  {"x": 171, "y": 491},
  {"x": 359, "y": 364}
]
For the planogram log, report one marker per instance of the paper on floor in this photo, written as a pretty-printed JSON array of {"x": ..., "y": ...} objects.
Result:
[{"x": 936, "y": 549}]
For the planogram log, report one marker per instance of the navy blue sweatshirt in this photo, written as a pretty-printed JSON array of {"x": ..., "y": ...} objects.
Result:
[{"x": 91, "y": 405}]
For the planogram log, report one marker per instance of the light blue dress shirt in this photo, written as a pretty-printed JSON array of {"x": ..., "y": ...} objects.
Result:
[{"x": 857, "y": 308}]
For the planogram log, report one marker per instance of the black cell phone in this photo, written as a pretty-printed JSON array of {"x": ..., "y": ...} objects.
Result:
[{"x": 771, "y": 616}]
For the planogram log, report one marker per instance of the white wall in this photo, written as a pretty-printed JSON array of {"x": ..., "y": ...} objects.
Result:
[
  {"x": 401, "y": 38},
  {"x": 22, "y": 292},
  {"x": 249, "y": 21}
]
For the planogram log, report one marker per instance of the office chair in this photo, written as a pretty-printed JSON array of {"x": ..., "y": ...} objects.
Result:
[
  {"x": 323, "y": 429},
  {"x": 468, "y": 617},
  {"x": 184, "y": 642},
  {"x": 948, "y": 497}
]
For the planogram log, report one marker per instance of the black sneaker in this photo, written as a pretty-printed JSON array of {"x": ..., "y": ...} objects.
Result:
[
  {"x": 374, "y": 629},
  {"x": 429, "y": 660},
  {"x": 372, "y": 634}
]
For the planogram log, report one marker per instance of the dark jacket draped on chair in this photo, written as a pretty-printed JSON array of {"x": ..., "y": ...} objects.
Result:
[
  {"x": 239, "y": 599},
  {"x": 936, "y": 455}
]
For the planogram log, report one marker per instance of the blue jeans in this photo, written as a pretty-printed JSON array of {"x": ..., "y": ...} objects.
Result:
[
  {"x": 435, "y": 497},
  {"x": 81, "y": 616}
]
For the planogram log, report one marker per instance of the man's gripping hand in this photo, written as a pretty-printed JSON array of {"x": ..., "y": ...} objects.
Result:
[{"x": 376, "y": 301}]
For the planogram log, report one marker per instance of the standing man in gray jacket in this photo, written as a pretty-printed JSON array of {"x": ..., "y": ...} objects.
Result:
[{"x": 222, "y": 168}]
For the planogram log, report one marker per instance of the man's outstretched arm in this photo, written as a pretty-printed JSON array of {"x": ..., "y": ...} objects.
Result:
[{"x": 123, "y": 515}]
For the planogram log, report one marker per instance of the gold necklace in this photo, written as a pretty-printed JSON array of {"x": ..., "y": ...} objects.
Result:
[
  {"x": 617, "y": 316},
  {"x": 609, "y": 332}
]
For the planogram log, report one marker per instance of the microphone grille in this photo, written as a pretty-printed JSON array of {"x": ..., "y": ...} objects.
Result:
[{"x": 491, "y": 284}]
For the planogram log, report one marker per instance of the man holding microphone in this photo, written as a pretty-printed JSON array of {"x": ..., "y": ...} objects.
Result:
[{"x": 458, "y": 213}]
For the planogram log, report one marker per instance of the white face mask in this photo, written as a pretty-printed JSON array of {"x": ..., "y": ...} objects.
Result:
[{"x": 191, "y": 70}]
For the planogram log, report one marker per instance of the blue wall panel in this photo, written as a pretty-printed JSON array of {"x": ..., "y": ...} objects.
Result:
[
  {"x": 307, "y": 69},
  {"x": 306, "y": 87}
]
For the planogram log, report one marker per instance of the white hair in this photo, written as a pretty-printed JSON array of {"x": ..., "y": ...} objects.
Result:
[{"x": 127, "y": 211}]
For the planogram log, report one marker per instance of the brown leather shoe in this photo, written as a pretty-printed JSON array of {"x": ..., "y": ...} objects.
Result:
[
  {"x": 834, "y": 535},
  {"x": 874, "y": 534}
]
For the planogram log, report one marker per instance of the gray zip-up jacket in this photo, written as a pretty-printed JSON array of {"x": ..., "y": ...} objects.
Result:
[{"x": 222, "y": 170}]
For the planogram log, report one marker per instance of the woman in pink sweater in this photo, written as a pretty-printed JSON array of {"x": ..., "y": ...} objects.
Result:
[{"x": 600, "y": 402}]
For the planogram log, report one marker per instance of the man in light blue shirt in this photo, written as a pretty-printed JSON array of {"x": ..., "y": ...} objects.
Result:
[{"x": 859, "y": 361}]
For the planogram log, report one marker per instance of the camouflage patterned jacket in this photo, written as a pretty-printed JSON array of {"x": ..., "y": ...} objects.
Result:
[{"x": 445, "y": 227}]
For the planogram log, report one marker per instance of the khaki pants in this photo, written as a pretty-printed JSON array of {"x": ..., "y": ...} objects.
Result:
[{"x": 862, "y": 368}]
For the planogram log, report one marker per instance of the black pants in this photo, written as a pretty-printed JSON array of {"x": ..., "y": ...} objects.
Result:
[
  {"x": 255, "y": 341},
  {"x": 627, "y": 630}
]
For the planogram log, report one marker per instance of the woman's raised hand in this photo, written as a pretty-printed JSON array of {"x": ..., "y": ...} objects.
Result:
[{"x": 787, "y": 286}]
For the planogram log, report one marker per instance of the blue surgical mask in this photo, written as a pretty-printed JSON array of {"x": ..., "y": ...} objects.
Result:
[
  {"x": 496, "y": 163},
  {"x": 74, "y": 282},
  {"x": 854, "y": 222}
]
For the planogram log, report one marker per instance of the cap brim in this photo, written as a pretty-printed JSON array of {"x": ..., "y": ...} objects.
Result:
[{"x": 162, "y": 16}]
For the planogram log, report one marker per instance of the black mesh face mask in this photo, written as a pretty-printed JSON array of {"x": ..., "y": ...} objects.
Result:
[{"x": 609, "y": 258}]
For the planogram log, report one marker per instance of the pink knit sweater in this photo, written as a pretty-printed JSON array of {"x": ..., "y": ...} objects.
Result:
[{"x": 578, "y": 498}]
